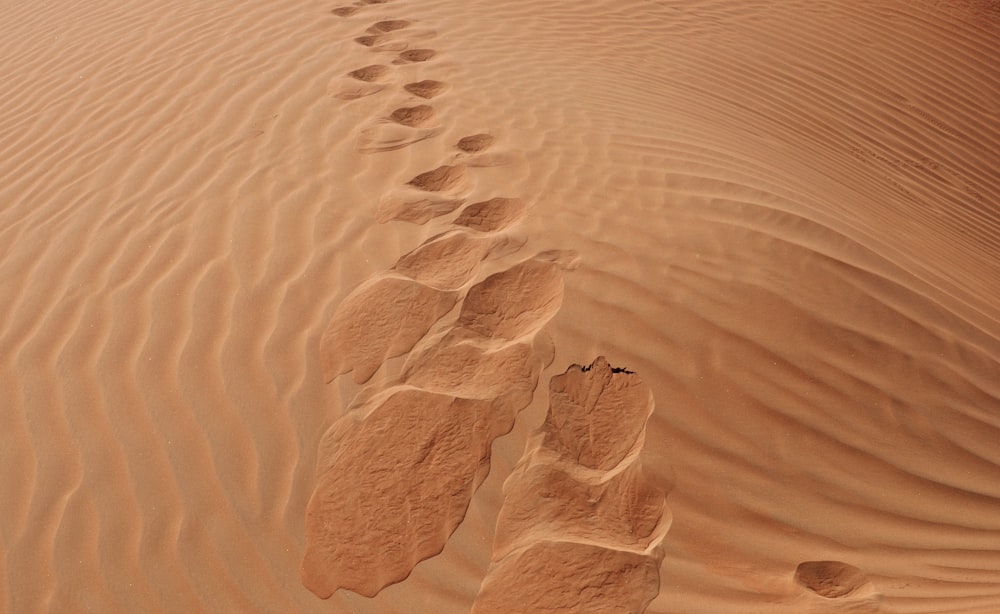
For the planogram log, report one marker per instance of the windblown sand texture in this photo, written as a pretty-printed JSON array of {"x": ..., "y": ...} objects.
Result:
[{"x": 257, "y": 256}]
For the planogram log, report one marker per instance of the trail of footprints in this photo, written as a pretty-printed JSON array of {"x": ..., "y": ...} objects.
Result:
[{"x": 396, "y": 474}]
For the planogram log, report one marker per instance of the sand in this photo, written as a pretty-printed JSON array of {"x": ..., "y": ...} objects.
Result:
[{"x": 511, "y": 306}]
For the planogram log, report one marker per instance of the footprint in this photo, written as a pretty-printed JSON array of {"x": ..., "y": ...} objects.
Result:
[
  {"x": 833, "y": 579},
  {"x": 418, "y": 210},
  {"x": 368, "y": 41},
  {"x": 426, "y": 196},
  {"x": 512, "y": 304},
  {"x": 379, "y": 320},
  {"x": 344, "y": 11},
  {"x": 475, "y": 143},
  {"x": 414, "y": 55},
  {"x": 428, "y": 88},
  {"x": 389, "y": 25},
  {"x": 385, "y": 136},
  {"x": 597, "y": 415},
  {"x": 442, "y": 178},
  {"x": 413, "y": 116},
  {"x": 370, "y": 73},
  {"x": 553, "y": 576},
  {"x": 474, "y": 372},
  {"x": 492, "y": 215},
  {"x": 576, "y": 531},
  {"x": 394, "y": 486},
  {"x": 543, "y": 499},
  {"x": 399, "y": 130},
  {"x": 448, "y": 261}
]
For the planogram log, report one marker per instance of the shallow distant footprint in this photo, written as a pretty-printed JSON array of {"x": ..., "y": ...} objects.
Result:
[
  {"x": 475, "y": 143},
  {"x": 411, "y": 56},
  {"x": 474, "y": 153},
  {"x": 404, "y": 126},
  {"x": 428, "y": 88},
  {"x": 381, "y": 42},
  {"x": 344, "y": 11},
  {"x": 359, "y": 83},
  {"x": 389, "y": 25},
  {"x": 370, "y": 73},
  {"x": 428, "y": 195}
]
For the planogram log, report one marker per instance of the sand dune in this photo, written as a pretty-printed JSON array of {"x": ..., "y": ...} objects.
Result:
[{"x": 278, "y": 283}]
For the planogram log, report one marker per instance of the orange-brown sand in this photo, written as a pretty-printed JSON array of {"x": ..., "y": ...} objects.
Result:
[{"x": 394, "y": 306}]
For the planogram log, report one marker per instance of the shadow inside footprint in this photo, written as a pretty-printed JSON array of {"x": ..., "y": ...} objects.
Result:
[
  {"x": 389, "y": 25},
  {"x": 492, "y": 215},
  {"x": 475, "y": 143},
  {"x": 428, "y": 88},
  {"x": 413, "y": 116},
  {"x": 374, "y": 72},
  {"x": 440, "y": 179},
  {"x": 414, "y": 55},
  {"x": 833, "y": 579}
]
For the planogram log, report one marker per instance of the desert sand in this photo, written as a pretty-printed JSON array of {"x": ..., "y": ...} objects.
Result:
[{"x": 413, "y": 306}]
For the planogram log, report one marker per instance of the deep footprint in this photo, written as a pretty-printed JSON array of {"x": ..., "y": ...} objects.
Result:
[
  {"x": 555, "y": 576},
  {"x": 428, "y": 88},
  {"x": 542, "y": 500},
  {"x": 572, "y": 536},
  {"x": 393, "y": 487},
  {"x": 474, "y": 372},
  {"x": 492, "y": 215},
  {"x": 448, "y": 261},
  {"x": 597, "y": 415},
  {"x": 512, "y": 304},
  {"x": 378, "y": 321}
]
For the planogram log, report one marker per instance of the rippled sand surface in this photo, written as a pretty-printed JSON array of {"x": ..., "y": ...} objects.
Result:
[{"x": 515, "y": 306}]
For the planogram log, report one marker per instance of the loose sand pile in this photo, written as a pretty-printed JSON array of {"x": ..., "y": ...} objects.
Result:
[{"x": 512, "y": 306}]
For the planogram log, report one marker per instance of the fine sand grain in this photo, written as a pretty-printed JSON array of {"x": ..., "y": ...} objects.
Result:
[{"x": 296, "y": 298}]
